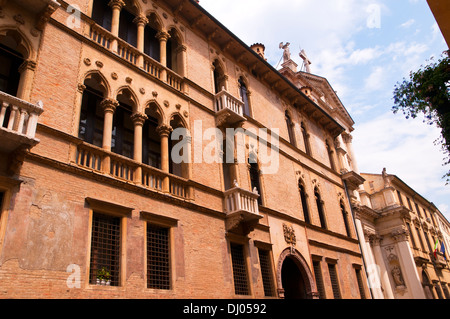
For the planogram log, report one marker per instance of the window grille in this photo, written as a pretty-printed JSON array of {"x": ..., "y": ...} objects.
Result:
[
  {"x": 239, "y": 270},
  {"x": 158, "y": 257},
  {"x": 334, "y": 281},
  {"x": 319, "y": 279},
  {"x": 105, "y": 247},
  {"x": 266, "y": 272},
  {"x": 360, "y": 283}
]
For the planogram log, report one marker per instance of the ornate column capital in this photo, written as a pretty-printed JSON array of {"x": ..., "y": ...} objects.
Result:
[
  {"x": 109, "y": 105},
  {"x": 27, "y": 65},
  {"x": 164, "y": 130},
  {"x": 141, "y": 20},
  {"x": 138, "y": 119},
  {"x": 116, "y": 4},
  {"x": 162, "y": 36},
  {"x": 81, "y": 87},
  {"x": 400, "y": 234},
  {"x": 348, "y": 138}
]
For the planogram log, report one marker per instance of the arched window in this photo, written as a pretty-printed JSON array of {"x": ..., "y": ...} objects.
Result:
[
  {"x": 174, "y": 46},
  {"x": 127, "y": 27},
  {"x": 151, "y": 140},
  {"x": 177, "y": 167},
  {"x": 123, "y": 128},
  {"x": 304, "y": 199},
  {"x": 91, "y": 123},
  {"x": 306, "y": 139},
  {"x": 345, "y": 217},
  {"x": 151, "y": 42},
  {"x": 254, "y": 175},
  {"x": 290, "y": 128},
  {"x": 320, "y": 209},
  {"x": 330, "y": 156},
  {"x": 243, "y": 90},
  {"x": 219, "y": 77},
  {"x": 102, "y": 13}
]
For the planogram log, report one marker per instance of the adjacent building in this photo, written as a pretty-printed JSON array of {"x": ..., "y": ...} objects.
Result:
[
  {"x": 118, "y": 178},
  {"x": 404, "y": 239}
]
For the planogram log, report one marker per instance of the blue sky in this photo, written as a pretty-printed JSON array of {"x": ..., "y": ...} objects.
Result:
[{"x": 363, "y": 47}]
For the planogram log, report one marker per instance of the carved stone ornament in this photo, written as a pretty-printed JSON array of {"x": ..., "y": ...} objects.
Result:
[
  {"x": 114, "y": 76},
  {"x": 289, "y": 235},
  {"x": 99, "y": 64},
  {"x": 87, "y": 61}
]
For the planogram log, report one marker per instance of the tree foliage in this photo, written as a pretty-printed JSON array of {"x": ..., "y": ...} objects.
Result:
[{"x": 427, "y": 92}]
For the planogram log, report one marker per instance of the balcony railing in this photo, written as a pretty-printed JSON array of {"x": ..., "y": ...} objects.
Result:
[
  {"x": 131, "y": 54},
  {"x": 18, "y": 121},
  {"x": 241, "y": 207},
  {"x": 122, "y": 168},
  {"x": 229, "y": 109}
]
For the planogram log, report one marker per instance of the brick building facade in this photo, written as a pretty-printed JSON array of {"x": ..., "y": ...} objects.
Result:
[{"x": 91, "y": 100}]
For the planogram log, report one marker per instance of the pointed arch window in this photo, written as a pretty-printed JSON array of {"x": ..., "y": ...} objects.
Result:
[
  {"x": 320, "y": 208},
  {"x": 255, "y": 175},
  {"x": 330, "y": 156},
  {"x": 305, "y": 135},
  {"x": 345, "y": 217},
  {"x": 219, "y": 77},
  {"x": 304, "y": 199},
  {"x": 151, "y": 42},
  {"x": 102, "y": 13},
  {"x": 243, "y": 90},
  {"x": 151, "y": 143},
  {"x": 290, "y": 128},
  {"x": 127, "y": 27},
  {"x": 91, "y": 117}
]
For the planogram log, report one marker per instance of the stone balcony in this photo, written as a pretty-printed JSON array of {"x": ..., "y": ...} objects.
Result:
[
  {"x": 439, "y": 260},
  {"x": 229, "y": 109},
  {"x": 242, "y": 210},
  {"x": 18, "y": 120}
]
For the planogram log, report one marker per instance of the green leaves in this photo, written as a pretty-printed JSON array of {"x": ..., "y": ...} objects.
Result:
[{"x": 427, "y": 92}]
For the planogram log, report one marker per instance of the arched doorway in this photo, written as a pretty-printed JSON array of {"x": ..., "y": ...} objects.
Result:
[
  {"x": 295, "y": 280},
  {"x": 292, "y": 280},
  {"x": 427, "y": 285}
]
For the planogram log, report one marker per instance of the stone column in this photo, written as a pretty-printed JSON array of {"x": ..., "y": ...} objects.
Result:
[
  {"x": 26, "y": 78},
  {"x": 373, "y": 280},
  {"x": 109, "y": 107},
  {"x": 376, "y": 241},
  {"x": 164, "y": 132},
  {"x": 348, "y": 138},
  {"x": 407, "y": 260},
  {"x": 141, "y": 22},
  {"x": 116, "y": 6},
  {"x": 138, "y": 121},
  {"x": 163, "y": 37}
]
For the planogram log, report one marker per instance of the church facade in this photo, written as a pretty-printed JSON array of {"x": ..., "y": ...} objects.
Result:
[{"x": 147, "y": 152}]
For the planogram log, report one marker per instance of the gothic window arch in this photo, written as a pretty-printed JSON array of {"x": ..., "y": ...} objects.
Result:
[
  {"x": 304, "y": 200},
  {"x": 174, "y": 51},
  {"x": 179, "y": 166},
  {"x": 151, "y": 140},
  {"x": 306, "y": 141},
  {"x": 320, "y": 208},
  {"x": 219, "y": 76},
  {"x": 122, "y": 141},
  {"x": 345, "y": 217},
  {"x": 244, "y": 93},
  {"x": 330, "y": 153},
  {"x": 290, "y": 127},
  {"x": 102, "y": 13},
  {"x": 254, "y": 172},
  {"x": 91, "y": 122},
  {"x": 151, "y": 31}
]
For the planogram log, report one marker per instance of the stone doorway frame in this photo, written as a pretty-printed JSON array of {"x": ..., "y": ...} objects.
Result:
[{"x": 299, "y": 260}]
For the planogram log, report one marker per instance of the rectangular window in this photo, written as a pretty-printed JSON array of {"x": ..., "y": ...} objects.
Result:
[
  {"x": 240, "y": 275},
  {"x": 319, "y": 279},
  {"x": 158, "y": 257},
  {"x": 400, "y": 197},
  {"x": 413, "y": 242},
  {"x": 105, "y": 249},
  {"x": 334, "y": 281},
  {"x": 360, "y": 283},
  {"x": 420, "y": 239},
  {"x": 266, "y": 272}
]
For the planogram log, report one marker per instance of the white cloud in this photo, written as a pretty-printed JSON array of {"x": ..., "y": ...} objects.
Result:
[{"x": 408, "y": 23}]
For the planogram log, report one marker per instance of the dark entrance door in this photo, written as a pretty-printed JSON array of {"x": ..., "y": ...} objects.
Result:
[{"x": 292, "y": 280}]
